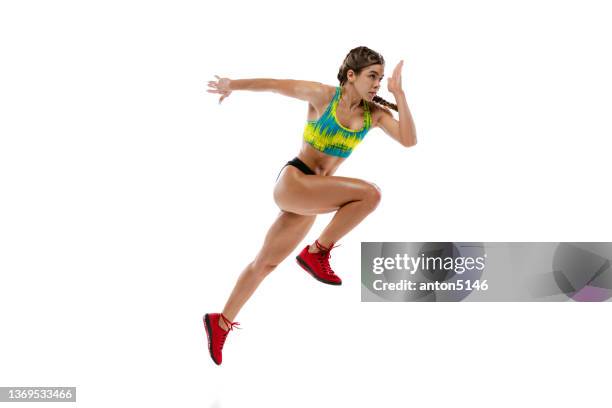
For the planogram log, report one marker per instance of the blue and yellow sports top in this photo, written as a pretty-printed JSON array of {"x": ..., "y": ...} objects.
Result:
[{"x": 327, "y": 134}]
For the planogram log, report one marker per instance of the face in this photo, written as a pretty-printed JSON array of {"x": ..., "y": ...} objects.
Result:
[{"x": 368, "y": 82}]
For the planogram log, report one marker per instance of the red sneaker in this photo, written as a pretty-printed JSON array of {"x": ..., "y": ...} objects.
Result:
[
  {"x": 317, "y": 264},
  {"x": 216, "y": 335}
]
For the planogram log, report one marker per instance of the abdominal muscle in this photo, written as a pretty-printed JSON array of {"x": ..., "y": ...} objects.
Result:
[{"x": 322, "y": 164}]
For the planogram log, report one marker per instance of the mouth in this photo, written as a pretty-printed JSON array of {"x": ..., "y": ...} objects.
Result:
[{"x": 372, "y": 93}]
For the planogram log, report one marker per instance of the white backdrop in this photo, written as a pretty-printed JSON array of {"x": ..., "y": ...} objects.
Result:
[{"x": 131, "y": 200}]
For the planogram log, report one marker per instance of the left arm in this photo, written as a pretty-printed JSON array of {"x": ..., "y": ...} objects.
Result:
[{"x": 403, "y": 130}]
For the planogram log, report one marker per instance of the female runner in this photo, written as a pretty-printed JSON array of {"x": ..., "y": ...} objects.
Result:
[{"x": 338, "y": 119}]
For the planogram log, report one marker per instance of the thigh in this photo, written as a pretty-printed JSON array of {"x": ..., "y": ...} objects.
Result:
[
  {"x": 314, "y": 194},
  {"x": 285, "y": 234}
]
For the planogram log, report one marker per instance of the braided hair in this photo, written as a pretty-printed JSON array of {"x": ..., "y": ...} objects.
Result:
[{"x": 357, "y": 59}]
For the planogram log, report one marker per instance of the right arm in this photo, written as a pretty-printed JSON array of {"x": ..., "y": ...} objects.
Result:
[
  {"x": 313, "y": 92},
  {"x": 304, "y": 90}
]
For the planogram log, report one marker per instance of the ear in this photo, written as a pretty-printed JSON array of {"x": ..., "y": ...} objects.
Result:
[{"x": 350, "y": 75}]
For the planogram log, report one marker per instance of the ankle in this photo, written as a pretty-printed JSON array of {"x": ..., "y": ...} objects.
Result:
[
  {"x": 320, "y": 245},
  {"x": 313, "y": 249},
  {"x": 223, "y": 325}
]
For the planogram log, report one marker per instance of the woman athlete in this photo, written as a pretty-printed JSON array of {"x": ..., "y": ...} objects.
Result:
[{"x": 338, "y": 119}]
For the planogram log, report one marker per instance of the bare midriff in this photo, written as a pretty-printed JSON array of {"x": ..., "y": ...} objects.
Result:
[{"x": 322, "y": 164}]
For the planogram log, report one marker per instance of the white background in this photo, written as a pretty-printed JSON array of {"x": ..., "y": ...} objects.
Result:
[{"x": 131, "y": 200}]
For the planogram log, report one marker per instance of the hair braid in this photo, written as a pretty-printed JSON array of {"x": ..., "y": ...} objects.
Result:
[
  {"x": 357, "y": 59},
  {"x": 383, "y": 102}
]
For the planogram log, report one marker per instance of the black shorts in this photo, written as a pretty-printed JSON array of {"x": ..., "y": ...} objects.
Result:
[{"x": 295, "y": 162}]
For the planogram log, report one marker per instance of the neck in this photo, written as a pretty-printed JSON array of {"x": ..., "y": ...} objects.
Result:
[{"x": 350, "y": 97}]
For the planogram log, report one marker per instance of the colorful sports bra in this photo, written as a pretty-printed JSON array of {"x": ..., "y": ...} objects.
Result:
[{"x": 327, "y": 134}]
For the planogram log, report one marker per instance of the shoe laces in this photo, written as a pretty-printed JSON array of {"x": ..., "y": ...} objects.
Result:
[
  {"x": 324, "y": 256},
  {"x": 230, "y": 326}
]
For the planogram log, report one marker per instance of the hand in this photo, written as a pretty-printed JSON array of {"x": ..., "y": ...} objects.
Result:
[
  {"x": 394, "y": 83},
  {"x": 221, "y": 86}
]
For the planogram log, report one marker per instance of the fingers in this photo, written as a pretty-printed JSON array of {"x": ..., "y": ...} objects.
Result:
[
  {"x": 398, "y": 68},
  {"x": 396, "y": 76},
  {"x": 215, "y": 89}
]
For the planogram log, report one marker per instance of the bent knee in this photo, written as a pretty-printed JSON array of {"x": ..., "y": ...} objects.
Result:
[{"x": 373, "y": 194}]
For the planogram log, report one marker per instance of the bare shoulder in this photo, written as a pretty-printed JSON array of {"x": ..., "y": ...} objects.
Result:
[
  {"x": 377, "y": 111},
  {"x": 326, "y": 93},
  {"x": 321, "y": 98}
]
